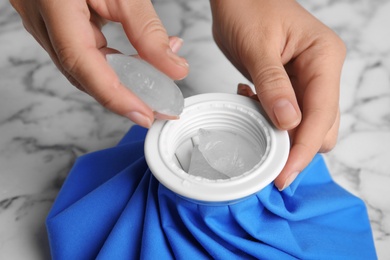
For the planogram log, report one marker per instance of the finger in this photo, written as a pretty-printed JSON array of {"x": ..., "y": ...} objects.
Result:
[
  {"x": 307, "y": 141},
  {"x": 274, "y": 90},
  {"x": 320, "y": 109},
  {"x": 75, "y": 44},
  {"x": 146, "y": 33},
  {"x": 101, "y": 44}
]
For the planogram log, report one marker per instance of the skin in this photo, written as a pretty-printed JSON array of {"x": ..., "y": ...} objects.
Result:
[
  {"x": 70, "y": 31},
  {"x": 293, "y": 60}
]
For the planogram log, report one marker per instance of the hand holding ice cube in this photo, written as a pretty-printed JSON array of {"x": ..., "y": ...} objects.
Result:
[{"x": 70, "y": 31}]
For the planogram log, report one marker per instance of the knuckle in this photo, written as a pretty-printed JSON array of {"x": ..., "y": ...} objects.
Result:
[
  {"x": 271, "y": 79},
  {"x": 107, "y": 97},
  {"x": 342, "y": 48},
  {"x": 339, "y": 43},
  {"x": 338, "y": 47},
  {"x": 107, "y": 102},
  {"x": 332, "y": 45},
  {"x": 306, "y": 147},
  {"x": 73, "y": 81},
  {"x": 69, "y": 60},
  {"x": 152, "y": 27},
  {"x": 336, "y": 41}
]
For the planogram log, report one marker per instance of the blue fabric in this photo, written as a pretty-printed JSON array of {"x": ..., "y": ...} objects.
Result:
[{"x": 111, "y": 207}]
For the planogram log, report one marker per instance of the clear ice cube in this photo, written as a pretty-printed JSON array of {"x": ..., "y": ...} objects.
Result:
[
  {"x": 153, "y": 87},
  {"x": 200, "y": 167},
  {"x": 228, "y": 153}
]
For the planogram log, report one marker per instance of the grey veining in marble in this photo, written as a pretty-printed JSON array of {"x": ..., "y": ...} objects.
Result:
[{"x": 45, "y": 123}]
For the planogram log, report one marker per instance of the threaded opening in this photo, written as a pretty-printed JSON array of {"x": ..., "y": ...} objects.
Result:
[{"x": 179, "y": 137}]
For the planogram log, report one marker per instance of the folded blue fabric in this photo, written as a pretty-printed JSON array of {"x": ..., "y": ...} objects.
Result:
[{"x": 111, "y": 207}]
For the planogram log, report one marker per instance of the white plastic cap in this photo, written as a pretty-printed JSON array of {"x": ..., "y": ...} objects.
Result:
[{"x": 218, "y": 111}]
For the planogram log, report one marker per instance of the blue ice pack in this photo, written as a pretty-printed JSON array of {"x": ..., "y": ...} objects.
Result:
[{"x": 111, "y": 207}]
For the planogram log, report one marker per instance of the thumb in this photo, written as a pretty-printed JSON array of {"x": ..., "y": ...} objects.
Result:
[{"x": 275, "y": 91}]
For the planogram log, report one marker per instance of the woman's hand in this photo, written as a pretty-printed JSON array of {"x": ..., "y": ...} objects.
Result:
[
  {"x": 295, "y": 63},
  {"x": 70, "y": 31}
]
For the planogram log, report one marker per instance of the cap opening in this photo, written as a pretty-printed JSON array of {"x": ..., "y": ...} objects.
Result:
[
  {"x": 169, "y": 145},
  {"x": 178, "y": 140}
]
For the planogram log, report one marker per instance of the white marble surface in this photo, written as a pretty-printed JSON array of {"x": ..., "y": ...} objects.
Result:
[{"x": 45, "y": 123}]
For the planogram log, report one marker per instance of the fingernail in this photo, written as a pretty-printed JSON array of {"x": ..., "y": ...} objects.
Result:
[
  {"x": 289, "y": 180},
  {"x": 165, "y": 117},
  {"x": 241, "y": 89},
  {"x": 178, "y": 60},
  {"x": 286, "y": 114},
  {"x": 140, "y": 119},
  {"x": 176, "y": 44}
]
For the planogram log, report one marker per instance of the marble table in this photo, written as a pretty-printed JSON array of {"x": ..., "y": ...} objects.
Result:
[{"x": 45, "y": 123}]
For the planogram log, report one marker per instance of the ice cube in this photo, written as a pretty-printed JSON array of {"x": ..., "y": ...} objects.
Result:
[
  {"x": 200, "y": 167},
  {"x": 153, "y": 87},
  {"x": 229, "y": 153}
]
